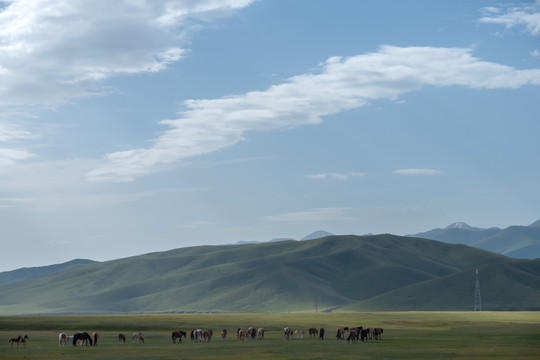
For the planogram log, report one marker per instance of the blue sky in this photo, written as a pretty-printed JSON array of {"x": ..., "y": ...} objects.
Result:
[{"x": 135, "y": 126}]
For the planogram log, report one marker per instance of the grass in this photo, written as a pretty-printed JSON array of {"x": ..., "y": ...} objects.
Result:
[{"x": 414, "y": 335}]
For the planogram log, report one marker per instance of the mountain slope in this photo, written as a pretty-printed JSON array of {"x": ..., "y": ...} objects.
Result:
[
  {"x": 280, "y": 276},
  {"x": 515, "y": 241},
  {"x": 514, "y": 281},
  {"x": 37, "y": 272}
]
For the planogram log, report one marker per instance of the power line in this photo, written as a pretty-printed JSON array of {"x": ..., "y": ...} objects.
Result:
[{"x": 477, "y": 296}]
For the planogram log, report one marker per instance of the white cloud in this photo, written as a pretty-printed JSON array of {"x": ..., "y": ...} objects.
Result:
[
  {"x": 336, "y": 176},
  {"x": 10, "y": 156},
  {"x": 418, "y": 172},
  {"x": 316, "y": 215},
  {"x": 11, "y": 133},
  {"x": 208, "y": 125},
  {"x": 527, "y": 15},
  {"x": 54, "y": 50}
]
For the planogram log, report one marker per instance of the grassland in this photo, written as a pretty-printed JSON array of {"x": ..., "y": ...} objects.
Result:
[{"x": 407, "y": 335}]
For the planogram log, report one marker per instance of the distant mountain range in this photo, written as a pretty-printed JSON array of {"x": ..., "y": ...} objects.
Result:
[
  {"x": 521, "y": 242},
  {"x": 348, "y": 273}
]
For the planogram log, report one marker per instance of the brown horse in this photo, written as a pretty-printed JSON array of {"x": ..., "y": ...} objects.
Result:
[
  {"x": 260, "y": 333},
  {"x": 242, "y": 335},
  {"x": 353, "y": 336},
  {"x": 95, "y": 336},
  {"x": 207, "y": 335},
  {"x": 378, "y": 333},
  {"x": 223, "y": 334},
  {"x": 122, "y": 338},
  {"x": 340, "y": 333},
  {"x": 178, "y": 335},
  {"x": 313, "y": 332},
  {"x": 18, "y": 340}
]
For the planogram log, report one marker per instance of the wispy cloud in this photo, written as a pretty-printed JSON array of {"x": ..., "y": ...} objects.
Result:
[
  {"x": 208, "y": 125},
  {"x": 54, "y": 50},
  {"x": 10, "y": 156},
  {"x": 316, "y": 215},
  {"x": 418, "y": 172},
  {"x": 336, "y": 176},
  {"x": 527, "y": 15}
]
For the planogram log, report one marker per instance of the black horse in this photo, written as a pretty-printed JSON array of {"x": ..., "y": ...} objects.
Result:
[
  {"x": 84, "y": 336},
  {"x": 178, "y": 335}
]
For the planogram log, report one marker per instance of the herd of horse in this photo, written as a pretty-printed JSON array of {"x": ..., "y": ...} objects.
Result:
[{"x": 351, "y": 334}]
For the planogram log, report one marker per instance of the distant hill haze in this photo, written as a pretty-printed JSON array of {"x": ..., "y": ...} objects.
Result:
[
  {"x": 317, "y": 234},
  {"x": 515, "y": 241},
  {"x": 348, "y": 273}
]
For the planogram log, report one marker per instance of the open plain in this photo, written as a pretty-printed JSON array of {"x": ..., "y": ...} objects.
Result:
[{"x": 407, "y": 335}]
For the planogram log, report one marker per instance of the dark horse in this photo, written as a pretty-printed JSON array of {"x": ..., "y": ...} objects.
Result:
[
  {"x": 178, "y": 335},
  {"x": 84, "y": 336},
  {"x": 19, "y": 339}
]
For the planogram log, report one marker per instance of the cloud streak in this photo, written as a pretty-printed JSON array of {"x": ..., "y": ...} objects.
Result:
[
  {"x": 527, "y": 15},
  {"x": 317, "y": 215},
  {"x": 341, "y": 84},
  {"x": 335, "y": 176},
  {"x": 418, "y": 172}
]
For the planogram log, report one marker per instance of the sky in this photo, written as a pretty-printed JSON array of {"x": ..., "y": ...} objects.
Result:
[{"x": 135, "y": 126}]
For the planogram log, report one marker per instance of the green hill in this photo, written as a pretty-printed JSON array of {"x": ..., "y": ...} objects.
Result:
[{"x": 382, "y": 272}]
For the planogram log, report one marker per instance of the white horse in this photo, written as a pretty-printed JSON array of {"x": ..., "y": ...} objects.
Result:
[
  {"x": 62, "y": 339},
  {"x": 199, "y": 335},
  {"x": 137, "y": 337},
  {"x": 287, "y": 333}
]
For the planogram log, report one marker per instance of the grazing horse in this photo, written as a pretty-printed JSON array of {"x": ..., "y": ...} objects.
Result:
[
  {"x": 252, "y": 332},
  {"x": 95, "y": 336},
  {"x": 207, "y": 335},
  {"x": 321, "y": 333},
  {"x": 287, "y": 332},
  {"x": 353, "y": 336},
  {"x": 137, "y": 337},
  {"x": 62, "y": 339},
  {"x": 313, "y": 332},
  {"x": 18, "y": 340},
  {"x": 242, "y": 335},
  {"x": 340, "y": 333},
  {"x": 260, "y": 333},
  {"x": 223, "y": 334},
  {"x": 122, "y": 338},
  {"x": 299, "y": 333},
  {"x": 364, "y": 335},
  {"x": 83, "y": 336},
  {"x": 378, "y": 333},
  {"x": 198, "y": 335},
  {"x": 178, "y": 335}
]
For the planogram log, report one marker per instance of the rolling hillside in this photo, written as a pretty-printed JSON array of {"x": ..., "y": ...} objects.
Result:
[
  {"x": 37, "y": 272},
  {"x": 380, "y": 272}
]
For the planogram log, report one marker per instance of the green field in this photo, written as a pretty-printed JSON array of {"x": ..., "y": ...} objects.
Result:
[{"x": 407, "y": 335}]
